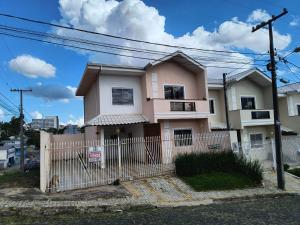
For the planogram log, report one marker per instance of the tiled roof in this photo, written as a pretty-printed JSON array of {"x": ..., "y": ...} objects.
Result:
[
  {"x": 117, "y": 119},
  {"x": 295, "y": 87},
  {"x": 215, "y": 81}
]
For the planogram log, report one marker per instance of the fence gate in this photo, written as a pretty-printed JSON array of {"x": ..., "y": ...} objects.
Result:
[{"x": 81, "y": 164}]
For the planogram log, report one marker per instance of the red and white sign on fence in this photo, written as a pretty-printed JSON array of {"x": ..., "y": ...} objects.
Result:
[{"x": 95, "y": 153}]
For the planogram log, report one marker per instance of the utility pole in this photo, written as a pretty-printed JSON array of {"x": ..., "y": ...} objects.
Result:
[
  {"x": 272, "y": 67},
  {"x": 21, "y": 125},
  {"x": 225, "y": 101}
]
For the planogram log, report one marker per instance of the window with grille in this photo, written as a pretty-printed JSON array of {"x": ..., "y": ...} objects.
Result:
[
  {"x": 256, "y": 140},
  {"x": 183, "y": 137}
]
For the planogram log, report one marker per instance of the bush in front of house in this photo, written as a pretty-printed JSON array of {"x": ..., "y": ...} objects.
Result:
[{"x": 192, "y": 164}]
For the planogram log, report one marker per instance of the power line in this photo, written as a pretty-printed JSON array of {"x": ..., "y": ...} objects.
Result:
[
  {"x": 119, "y": 47},
  {"x": 119, "y": 37},
  {"x": 104, "y": 52}
]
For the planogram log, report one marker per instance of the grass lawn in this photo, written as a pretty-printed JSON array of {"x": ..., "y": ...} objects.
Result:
[
  {"x": 19, "y": 179},
  {"x": 219, "y": 181},
  {"x": 295, "y": 171}
]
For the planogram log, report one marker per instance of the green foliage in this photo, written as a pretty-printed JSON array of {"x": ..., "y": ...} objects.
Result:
[
  {"x": 286, "y": 167},
  {"x": 192, "y": 164},
  {"x": 219, "y": 181},
  {"x": 20, "y": 179},
  {"x": 33, "y": 138},
  {"x": 295, "y": 171},
  {"x": 11, "y": 128}
]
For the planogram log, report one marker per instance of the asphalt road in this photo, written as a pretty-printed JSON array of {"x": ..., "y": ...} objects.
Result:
[{"x": 282, "y": 210}]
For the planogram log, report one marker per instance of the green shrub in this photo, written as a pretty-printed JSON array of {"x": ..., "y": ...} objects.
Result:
[
  {"x": 295, "y": 171},
  {"x": 286, "y": 167},
  {"x": 191, "y": 164}
]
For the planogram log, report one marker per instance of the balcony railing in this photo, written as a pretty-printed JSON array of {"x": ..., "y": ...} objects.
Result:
[
  {"x": 256, "y": 115},
  {"x": 183, "y": 106}
]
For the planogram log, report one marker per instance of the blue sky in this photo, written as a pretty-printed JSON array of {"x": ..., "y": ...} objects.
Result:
[{"x": 194, "y": 23}]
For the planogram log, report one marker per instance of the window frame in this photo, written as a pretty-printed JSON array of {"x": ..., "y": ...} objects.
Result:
[
  {"x": 214, "y": 105},
  {"x": 174, "y": 85},
  {"x": 183, "y": 143},
  {"x": 122, "y": 88},
  {"x": 298, "y": 109},
  {"x": 248, "y": 96},
  {"x": 255, "y": 146}
]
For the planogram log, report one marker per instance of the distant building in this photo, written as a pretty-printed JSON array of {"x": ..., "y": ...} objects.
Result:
[
  {"x": 71, "y": 129},
  {"x": 45, "y": 123},
  {"x": 7, "y": 156}
]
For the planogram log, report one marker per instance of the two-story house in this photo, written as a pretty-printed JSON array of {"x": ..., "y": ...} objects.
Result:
[
  {"x": 289, "y": 107},
  {"x": 166, "y": 97},
  {"x": 249, "y": 97}
]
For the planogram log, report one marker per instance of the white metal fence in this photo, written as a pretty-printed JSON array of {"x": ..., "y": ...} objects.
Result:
[
  {"x": 81, "y": 164},
  {"x": 265, "y": 152}
]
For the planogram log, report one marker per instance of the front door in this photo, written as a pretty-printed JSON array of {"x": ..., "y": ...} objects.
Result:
[{"x": 153, "y": 142}]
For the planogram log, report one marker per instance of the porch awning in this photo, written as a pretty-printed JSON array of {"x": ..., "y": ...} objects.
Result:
[{"x": 102, "y": 120}]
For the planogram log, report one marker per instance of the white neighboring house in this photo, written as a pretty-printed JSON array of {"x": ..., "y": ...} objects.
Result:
[
  {"x": 7, "y": 156},
  {"x": 289, "y": 107},
  {"x": 249, "y": 96}
]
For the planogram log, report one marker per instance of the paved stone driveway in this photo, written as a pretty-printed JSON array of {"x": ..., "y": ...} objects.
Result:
[{"x": 156, "y": 191}]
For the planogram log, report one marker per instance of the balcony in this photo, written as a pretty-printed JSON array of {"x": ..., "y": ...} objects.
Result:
[
  {"x": 179, "y": 109},
  {"x": 254, "y": 117},
  {"x": 182, "y": 106}
]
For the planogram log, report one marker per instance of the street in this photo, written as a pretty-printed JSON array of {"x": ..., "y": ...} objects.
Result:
[{"x": 280, "y": 210}]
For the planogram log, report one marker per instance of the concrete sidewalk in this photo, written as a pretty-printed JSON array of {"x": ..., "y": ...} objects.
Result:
[{"x": 151, "y": 192}]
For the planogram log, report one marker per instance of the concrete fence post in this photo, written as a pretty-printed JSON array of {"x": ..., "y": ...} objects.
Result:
[
  {"x": 273, "y": 153},
  {"x": 45, "y": 141}
]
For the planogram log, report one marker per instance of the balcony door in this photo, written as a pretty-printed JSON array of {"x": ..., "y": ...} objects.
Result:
[
  {"x": 248, "y": 102},
  {"x": 174, "y": 92}
]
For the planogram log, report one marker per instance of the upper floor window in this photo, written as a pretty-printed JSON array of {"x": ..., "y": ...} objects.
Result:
[
  {"x": 248, "y": 102},
  {"x": 122, "y": 96},
  {"x": 174, "y": 92},
  {"x": 212, "y": 106},
  {"x": 298, "y": 108}
]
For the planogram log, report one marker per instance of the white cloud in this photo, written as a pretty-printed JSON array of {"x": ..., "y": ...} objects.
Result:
[
  {"x": 74, "y": 121},
  {"x": 295, "y": 22},
  {"x": 134, "y": 19},
  {"x": 36, "y": 115},
  {"x": 32, "y": 67},
  {"x": 258, "y": 15}
]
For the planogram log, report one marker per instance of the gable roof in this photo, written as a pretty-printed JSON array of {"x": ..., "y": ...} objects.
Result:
[
  {"x": 254, "y": 74},
  {"x": 93, "y": 69},
  {"x": 180, "y": 58}
]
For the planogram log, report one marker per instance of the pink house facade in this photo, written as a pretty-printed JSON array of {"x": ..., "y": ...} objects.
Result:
[{"x": 165, "y": 98}]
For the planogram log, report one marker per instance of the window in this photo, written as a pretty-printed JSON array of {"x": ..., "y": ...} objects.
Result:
[
  {"x": 248, "y": 102},
  {"x": 182, "y": 106},
  {"x": 256, "y": 140},
  {"x": 174, "y": 92},
  {"x": 212, "y": 106},
  {"x": 122, "y": 96},
  {"x": 298, "y": 108},
  {"x": 183, "y": 137},
  {"x": 260, "y": 115}
]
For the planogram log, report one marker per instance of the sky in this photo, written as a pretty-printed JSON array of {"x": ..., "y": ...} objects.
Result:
[{"x": 54, "y": 72}]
